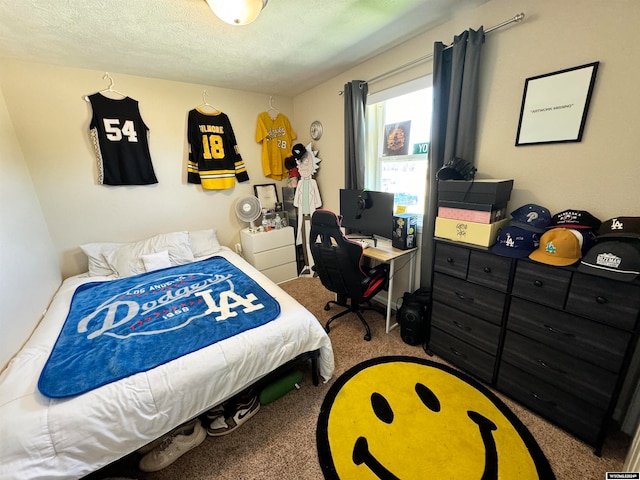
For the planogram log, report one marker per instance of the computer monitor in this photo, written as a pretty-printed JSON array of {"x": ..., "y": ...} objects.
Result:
[{"x": 367, "y": 212}]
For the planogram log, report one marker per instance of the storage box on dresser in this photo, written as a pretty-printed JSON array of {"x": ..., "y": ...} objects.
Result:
[
  {"x": 273, "y": 252},
  {"x": 563, "y": 339}
]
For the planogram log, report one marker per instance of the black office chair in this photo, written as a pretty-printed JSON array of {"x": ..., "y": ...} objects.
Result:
[{"x": 338, "y": 263}]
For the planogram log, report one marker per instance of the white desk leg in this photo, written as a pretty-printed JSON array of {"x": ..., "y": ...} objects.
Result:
[
  {"x": 412, "y": 270},
  {"x": 392, "y": 268}
]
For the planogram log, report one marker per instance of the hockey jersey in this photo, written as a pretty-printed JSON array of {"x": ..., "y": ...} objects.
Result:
[
  {"x": 121, "y": 142},
  {"x": 276, "y": 136},
  {"x": 214, "y": 159}
]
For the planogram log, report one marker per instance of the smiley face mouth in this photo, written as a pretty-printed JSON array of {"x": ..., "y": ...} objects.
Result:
[{"x": 361, "y": 453}]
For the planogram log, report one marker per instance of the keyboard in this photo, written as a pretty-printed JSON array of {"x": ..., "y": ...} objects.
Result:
[{"x": 362, "y": 242}]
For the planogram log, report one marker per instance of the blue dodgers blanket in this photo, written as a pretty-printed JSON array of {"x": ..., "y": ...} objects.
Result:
[{"x": 117, "y": 328}]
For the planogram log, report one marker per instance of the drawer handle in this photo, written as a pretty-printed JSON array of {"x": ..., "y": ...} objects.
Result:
[
  {"x": 601, "y": 300},
  {"x": 537, "y": 283},
  {"x": 463, "y": 327},
  {"x": 457, "y": 353},
  {"x": 487, "y": 269},
  {"x": 545, "y": 365},
  {"x": 463, "y": 298},
  {"x": 540, "y": 399},
  {"x": 449, "y": 260},
  {"x": 559, "y": 332}
]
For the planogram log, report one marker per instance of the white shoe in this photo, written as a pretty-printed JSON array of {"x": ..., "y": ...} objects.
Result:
[
  {"x": 172, "y": 448},
  {"x": 183, "y": 429}
]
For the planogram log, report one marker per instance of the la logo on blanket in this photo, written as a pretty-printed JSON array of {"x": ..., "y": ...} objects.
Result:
[
  {"x": 129, "y": 325},
  {"x": 167, "y": 305}
]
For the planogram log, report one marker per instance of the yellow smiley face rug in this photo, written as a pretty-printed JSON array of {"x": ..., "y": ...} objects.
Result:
[{"x": 408, "y": 418}]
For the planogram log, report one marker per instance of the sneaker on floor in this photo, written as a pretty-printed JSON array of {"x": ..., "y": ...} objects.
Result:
[
  {"x": 227, "y": 408},
  {"x": 223, "y": 426},
  {"x": 172, "y": 447},
  {"x": 183, "y": 429},
  {"x": 215, "y": 412}
]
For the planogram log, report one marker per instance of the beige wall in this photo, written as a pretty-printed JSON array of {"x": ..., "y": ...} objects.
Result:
[
  {"x": 51, "y": 119},
  {"x": 29, "y": 273},
  {"x": 599, "y": 174}
]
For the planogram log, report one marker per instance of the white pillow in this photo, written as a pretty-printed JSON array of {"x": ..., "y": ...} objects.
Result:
[
  {"x": 95, "y": 252},
  {"x": 156, "y": 261},
  {"x": 204, "y": 242},
  {"x": 127, "y": 259}
]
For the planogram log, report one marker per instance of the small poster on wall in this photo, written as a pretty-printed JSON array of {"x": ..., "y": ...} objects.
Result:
[
  {"x": 396, "y": 139},
  {"x": 554, "y": 106}
]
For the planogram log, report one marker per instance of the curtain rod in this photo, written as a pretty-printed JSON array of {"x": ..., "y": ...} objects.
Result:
[{"x": 518, "y": 18}]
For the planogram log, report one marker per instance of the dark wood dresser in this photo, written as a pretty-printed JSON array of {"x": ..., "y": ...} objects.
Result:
[{"x": 554, "y": 339}]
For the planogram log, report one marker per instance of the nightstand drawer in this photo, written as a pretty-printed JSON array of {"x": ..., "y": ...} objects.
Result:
[
  {"x": 451, "y": 260},
  {"x": 541, "y": 283},
  {"x": 275, "y": 257},
  {"x": 479, "y": 301},
  {"x": 282, "y": 273},
  {"x": 463, "y": 355},
  {"x": 582, "y": 379},
  {"x": 489, "y": 270},
  {"x": 591, "y": 341},
  {"x": 473, "y": 330},
  {"x": 563, "y": 409},
  {"x": 263, "y": 241},
  {"x": 609, "y": 301}
]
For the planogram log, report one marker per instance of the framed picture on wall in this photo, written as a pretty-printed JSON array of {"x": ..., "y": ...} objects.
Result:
[
  {"x": 555, "y": 105},
  {"x": 267, "y": 194}
]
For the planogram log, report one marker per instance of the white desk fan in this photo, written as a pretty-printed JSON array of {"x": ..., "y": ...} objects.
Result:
[{"x": 248, "y": 209}]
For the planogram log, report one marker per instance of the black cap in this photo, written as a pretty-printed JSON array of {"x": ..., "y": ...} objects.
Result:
[
  {"x": 619, "y": 260},
  {"x": 623, "y": 227},
  {"x": 298, "y": 151}
]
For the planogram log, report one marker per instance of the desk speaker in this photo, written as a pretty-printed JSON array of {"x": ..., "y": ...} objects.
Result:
[{"x": 405, "y": 229}]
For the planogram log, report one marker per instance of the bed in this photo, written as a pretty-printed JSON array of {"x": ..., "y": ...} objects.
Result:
[{"x": 72, "y": 436}]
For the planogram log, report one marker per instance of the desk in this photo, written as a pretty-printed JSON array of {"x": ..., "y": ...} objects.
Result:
[{"x": 388, "y": 254}]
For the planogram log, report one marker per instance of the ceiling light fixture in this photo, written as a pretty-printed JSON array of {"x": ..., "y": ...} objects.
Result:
[{"x": 237, "y": 12}]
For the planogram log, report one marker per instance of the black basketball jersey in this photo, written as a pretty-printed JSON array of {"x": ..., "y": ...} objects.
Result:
[{"x": 121, "y": 141}]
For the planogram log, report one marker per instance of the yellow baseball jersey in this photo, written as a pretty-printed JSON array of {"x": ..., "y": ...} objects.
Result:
[{"x": 277, "y": 137}]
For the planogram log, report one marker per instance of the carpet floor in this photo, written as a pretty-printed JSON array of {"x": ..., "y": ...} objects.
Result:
[{"x": 279, "y": 442}]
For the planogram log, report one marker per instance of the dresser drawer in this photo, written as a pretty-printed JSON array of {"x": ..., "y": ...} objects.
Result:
[
  {"x": 468, "y": 297},
  {"x": 563, "y": 409},
  {"x": 282, "y": 273},
  {"x": 576, "y": 336},
  {"x": 580, "y": 378},
  {"x": 451, "y": 260},
  {"x": 473, "y": 330},
  {"x": 463, "y": 355},
  {"x": 541, "y": 283},
  {"x": 273, "y": 258},
  {"x": 489, "y": 270},
  {"x": 608, "y": 301}
]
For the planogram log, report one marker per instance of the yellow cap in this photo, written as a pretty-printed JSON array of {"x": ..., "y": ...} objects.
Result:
[{"x": 559, "y": 247}]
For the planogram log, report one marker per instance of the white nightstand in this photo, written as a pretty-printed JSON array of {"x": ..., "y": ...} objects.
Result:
[{"x": 273, "y": 253}]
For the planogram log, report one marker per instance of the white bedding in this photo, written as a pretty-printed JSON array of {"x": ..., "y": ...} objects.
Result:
[{"x": 67, "y": 438}]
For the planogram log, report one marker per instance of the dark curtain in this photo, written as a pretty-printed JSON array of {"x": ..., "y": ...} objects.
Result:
[
  {"x": 355, "y": 101},
  {"x": 456, "y": 72}
]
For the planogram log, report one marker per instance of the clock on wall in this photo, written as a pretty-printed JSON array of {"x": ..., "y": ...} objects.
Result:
[{"x": 316, "y": 130}]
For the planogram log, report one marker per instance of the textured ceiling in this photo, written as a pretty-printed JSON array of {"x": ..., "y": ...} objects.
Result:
[{"x": 292, "y": 46}]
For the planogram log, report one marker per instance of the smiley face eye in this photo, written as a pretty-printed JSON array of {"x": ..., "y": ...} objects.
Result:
[
  {"x": 428, "y": 397},
  {"x": 381, "y": 408}
]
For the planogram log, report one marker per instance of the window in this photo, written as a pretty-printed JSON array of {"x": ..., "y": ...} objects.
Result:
[{"x": 398, "y": 127}]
